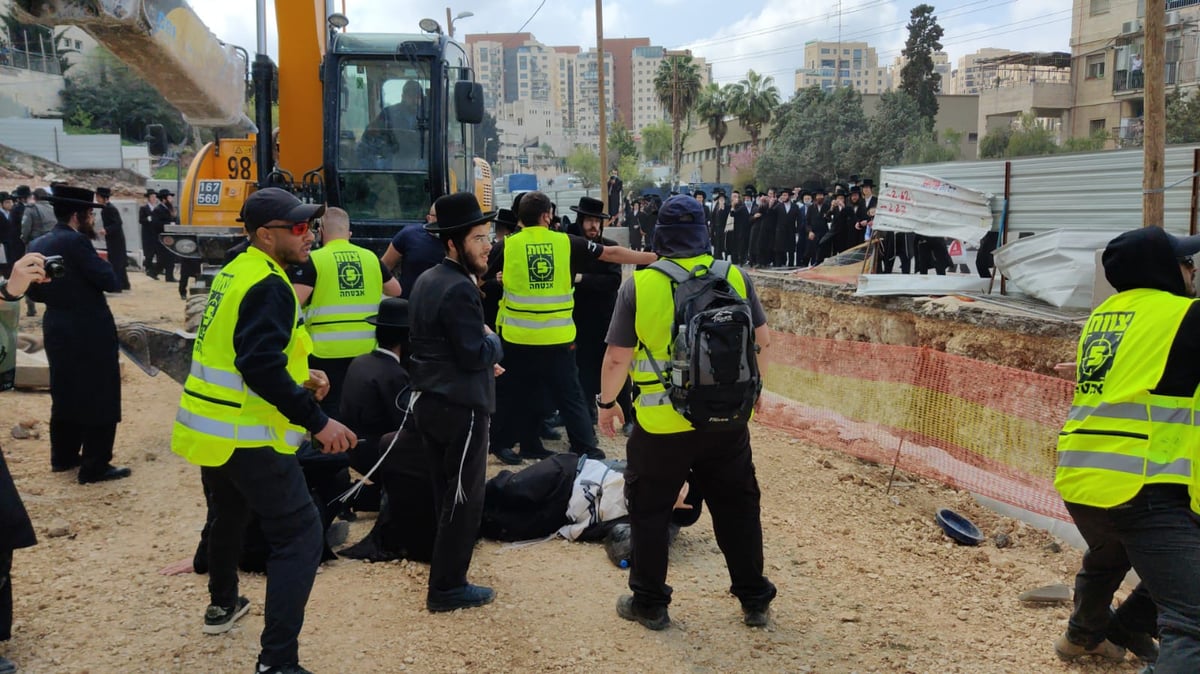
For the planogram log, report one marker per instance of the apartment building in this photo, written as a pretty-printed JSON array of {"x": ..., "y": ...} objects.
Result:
[
  {"x": 1108, "y": 50},
  {"x": 830, "y": 64}
]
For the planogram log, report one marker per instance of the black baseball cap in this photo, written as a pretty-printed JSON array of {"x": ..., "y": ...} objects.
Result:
[{"x": 273, "y": 203}]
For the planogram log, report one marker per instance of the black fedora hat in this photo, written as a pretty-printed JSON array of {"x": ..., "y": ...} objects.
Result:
[
  {"x": 458, "y": 211},
  {"x": 393, "y": 313},
  {"x": 151, "y": 193},
  {"x": 507, "y": 219},
  {"x": 5, "y": 196},
  {"x": 22, "y": 192},
  {"x": 591, "y": 207},
  {"x": 867, "y": 182},
  {"x": 164, "y": 193},
  {"x": 105, "y": 192},
  {"x": 73, "y": 196}
]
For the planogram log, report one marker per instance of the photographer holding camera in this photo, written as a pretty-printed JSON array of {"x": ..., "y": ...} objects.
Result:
[
  {"x": 16, "y": 531},
  {"x": 81, "y": 342}
]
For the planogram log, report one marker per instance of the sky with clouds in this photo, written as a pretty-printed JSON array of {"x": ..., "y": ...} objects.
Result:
[{"x": 765, "y": 36}]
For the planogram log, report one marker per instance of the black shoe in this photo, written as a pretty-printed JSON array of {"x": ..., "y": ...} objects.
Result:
[
  {"x": 507, "y": 456},
  {"x": 593, "y": 453},
  {"x": 755, "y": 616},
  {"x": 64, "y": 467},
  {"x": 549, "y": 432},
  {"x": 171, "y": 279},
  {"x": 111, "y": 472},
  {"x": 535, "y": 453},
  {"x": 654, "y": 619},
  {"x": 1142, "y": 645},
  {"x": 153, "y": 276},
  {"x": 31, "y": 312},
  {"x": 290, "y": 668},
  {"x": 220, "y": 619},
  {"x": 7, "y": 666},
  {"x": 467, "y": 596}
]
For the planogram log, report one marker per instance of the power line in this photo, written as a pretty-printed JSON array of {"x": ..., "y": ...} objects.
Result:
[
  {"x": 782, "y": 26},
  {"x": 535, "y": 13}
]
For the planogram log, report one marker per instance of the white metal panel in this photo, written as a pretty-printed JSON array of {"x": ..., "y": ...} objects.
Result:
[
  {"x": 1093, "y": 191},
  {"x": 90, "y": 152},
  {"x": 1057, "y": 267},
  {"x": 31, "y": 136},
  {"x": 920, "y": 203}
]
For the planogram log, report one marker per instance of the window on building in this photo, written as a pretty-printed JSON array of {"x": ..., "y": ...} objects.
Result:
[
  {"x": 1097, "y": 125},
  {"x": 1099, "y": 7},
  {"x": 824, "y": 50},
  {"x": 972, "y": 137},
  {"x": 1095, "y": 67}
]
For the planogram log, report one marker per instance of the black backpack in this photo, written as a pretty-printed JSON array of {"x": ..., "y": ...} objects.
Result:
[{"x": 714, "y": 380}]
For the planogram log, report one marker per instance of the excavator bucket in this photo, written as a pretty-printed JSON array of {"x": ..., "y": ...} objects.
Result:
[
  {"x": 167, "y": 45},
  {"x": 156, "y": 350}
]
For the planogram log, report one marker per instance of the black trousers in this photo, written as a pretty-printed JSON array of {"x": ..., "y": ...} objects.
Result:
[
  {"x": 722, "y": 467},
  {"x": 1157, "y": 533},
  {"x": 118, "y": 257},
  {"x": 271, "y": 486},
  {"x": 149, "y": 253},
  {"x": 456, "y": 446},
  {"x": 983, "y": 259},
  {"x": 188, "y": 269},
  {"x": 6, "y": 598},
  {"x": 530, "y": 371},
  {"x": 88, "y": 446}
]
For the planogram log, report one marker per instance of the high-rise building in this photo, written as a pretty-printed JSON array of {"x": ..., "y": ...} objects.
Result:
[
  {"x": 1107, "y": 56},
  {"x": 847, "y": 64},
  {"x": 646, "y": 108}
]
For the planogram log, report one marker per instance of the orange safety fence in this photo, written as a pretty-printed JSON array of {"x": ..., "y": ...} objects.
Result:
[{"x": 985, "y": 428}]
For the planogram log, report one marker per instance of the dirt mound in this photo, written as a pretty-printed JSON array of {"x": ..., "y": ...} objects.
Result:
[{"x": 18, "y": 168}]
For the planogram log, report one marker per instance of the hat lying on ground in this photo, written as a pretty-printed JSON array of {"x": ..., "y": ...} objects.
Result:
[{"x": 273, "y": 203}]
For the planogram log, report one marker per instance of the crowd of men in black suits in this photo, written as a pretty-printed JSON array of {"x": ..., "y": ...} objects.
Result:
[{"x": 797, "y": 227}]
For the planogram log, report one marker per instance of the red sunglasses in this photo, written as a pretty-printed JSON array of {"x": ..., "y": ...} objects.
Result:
[{"x": 298, "y": 228}]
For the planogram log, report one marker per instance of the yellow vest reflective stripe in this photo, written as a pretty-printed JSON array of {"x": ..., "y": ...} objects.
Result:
[
  {"x": 1118, "y": 435},
  {"x": 217, "y": 412},
  {"x": 654, "y": 319},
  {"x": 348, "y": 291},
  {"x": 538, "y": 292}
]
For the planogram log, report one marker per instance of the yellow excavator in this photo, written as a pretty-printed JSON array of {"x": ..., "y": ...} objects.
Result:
[{"x": 380, "y": 125}]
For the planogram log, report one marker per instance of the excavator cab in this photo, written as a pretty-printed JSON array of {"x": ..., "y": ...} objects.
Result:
[{"x": 396, "y": 139}]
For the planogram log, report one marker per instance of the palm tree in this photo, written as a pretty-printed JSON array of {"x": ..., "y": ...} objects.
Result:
[
  {"x": 677, "y": 85},
  {"x": 712, "y": 108},
  {"x": 753, "y": 102}
]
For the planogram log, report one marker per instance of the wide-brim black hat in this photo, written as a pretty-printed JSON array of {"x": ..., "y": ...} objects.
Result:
[
  {"x": 867, "y": 182},
  {"x": 591, "y": 207},
  {"x": 393, "y": 313},
  {"x": 22, "y": 192},
  {"x": 507, "y": 219},
  {"x": 73, "y": 196},
  {"x": 105, "y": 192},
  {"x": 458, "y": 211},
  {"x": 151, "y": 193}
]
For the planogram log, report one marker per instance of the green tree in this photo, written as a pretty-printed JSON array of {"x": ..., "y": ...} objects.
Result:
[
  {"x": 656, "y": 142},
  {"x": 918, "y": 78},
  {"x": 754, "y": 101},
  {"x": 487, "y": 139},
  {"x": 620, "y": 143},
  {"x": 112, "y": 98},
  {"x": 995, "y": 143},
  {"x": 927, "y": 148},
  {"x": 585, "y": 163},
  {"x": 818, "y": 138},
  {"x": 712, "y": 109},
  {"x": 1183, "y": 117},
  {"x": 897, "y": 122},
  {"x": 677, "y": 86},
  {"x": 1091, "y": 143},
  {"x": 1030, "y": 139}
]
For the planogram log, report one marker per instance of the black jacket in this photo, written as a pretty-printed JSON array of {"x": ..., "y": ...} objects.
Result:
[
  {"x": 16, "y": 531},
  {"x": 595, "y": 296},
  {"x": 451, "y": 355},
  {"x": 114, "y": 230}
]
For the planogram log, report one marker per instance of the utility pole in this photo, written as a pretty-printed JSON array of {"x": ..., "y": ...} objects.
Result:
[
  {"x": 1155, "y": 101},
  {"x": 600, "y": 91}
]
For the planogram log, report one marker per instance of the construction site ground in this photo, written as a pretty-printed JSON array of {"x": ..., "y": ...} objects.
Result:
[{"x": 867, "y": 581}]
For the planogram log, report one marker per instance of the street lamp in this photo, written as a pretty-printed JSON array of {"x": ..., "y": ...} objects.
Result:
[{"x": 450, "y": 21}]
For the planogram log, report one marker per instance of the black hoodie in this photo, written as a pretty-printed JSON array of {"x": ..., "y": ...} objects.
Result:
[{"x": 1143, "y": 258}]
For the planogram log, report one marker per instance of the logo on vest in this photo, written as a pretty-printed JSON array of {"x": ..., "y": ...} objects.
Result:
[
  {"x": 351, "y": 281},
  {"x": 219, "y": 287},
  {"x": 540, "y": 258},
  {"x": 1102, "y": 338}
]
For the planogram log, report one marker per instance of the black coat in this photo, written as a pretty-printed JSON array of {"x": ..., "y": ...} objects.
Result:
[
  {"x": 146, "y": 223},
  {"x": 79, "y": 331},
  {"x": 114, "y": 242},
  {"x": 786, "y": 225},
  {"x": 374, "y": 399},
  {"x": 595, "y": 299},
  {"x": 16, "y": 531},
  {"x": 451, "y": 357}
]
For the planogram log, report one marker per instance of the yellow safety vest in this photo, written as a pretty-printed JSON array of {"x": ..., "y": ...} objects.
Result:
[
  {"x": 1119, "y": 436},
  {"x": 654, "y": 318},
  {"x": 538, "y": 293},
  {"x": 348, "y": 291},
  {"x": 217, "y": 411}
]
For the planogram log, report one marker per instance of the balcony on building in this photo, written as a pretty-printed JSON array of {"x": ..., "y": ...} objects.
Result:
[
  {"x": 1013, "y": 84},
  {"x": 1129, "y": 55}
]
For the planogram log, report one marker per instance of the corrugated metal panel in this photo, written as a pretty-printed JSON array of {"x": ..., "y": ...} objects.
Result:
[
  {"x": 31, "y": 136},
  {"x": 1082, "y": 191},
  {"x": 90, "y": 152}
]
